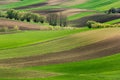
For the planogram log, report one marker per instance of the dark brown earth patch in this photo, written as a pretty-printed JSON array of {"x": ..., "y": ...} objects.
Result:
[
  {"x": 33, "y": 6},
  {"x": 45, "y": 12},
  {"x": 97, "y": 17},
  {"x": 99, "y": 49}
]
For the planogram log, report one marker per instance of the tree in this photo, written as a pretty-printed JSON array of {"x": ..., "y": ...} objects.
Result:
[
  {"x": 10, "y": 13},
  {"x": 28, "y": 17},
  {"x": 42, "y": 19},
  {"x": 55, "y": 19},
  {"x": 112, "y": 10},
  {"x": 62, "y": 20},
  {"x": 35, "y": 17},
  {"x": 22, "y": 16},
  {"x": 52, "y": 19}
]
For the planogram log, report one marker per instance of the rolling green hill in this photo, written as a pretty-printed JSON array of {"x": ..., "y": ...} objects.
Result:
[
  {"x": 31, "y": 37},
  {"x": 70, "y": 54},
  {"x": 107, "y": 68},
  {"x": 98, "y": 5}
]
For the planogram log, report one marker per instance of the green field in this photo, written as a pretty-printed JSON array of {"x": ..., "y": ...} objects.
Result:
[
  {"x": 32, "y": 37},
  {"x": 46, "y": 47},
  {"x": 21, "y": 3},
  {"x": 103, "y": 68},
  {"x": 64, "y": 54},
  {"x": 80, "y": 15},
  {"x": 113, "y": 21},
  {"x": 98, "y": 5}
]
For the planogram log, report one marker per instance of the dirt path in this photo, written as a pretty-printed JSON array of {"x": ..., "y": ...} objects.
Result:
[
  {"x": 101, "y": 17},
  {"x": 21, "y": 25},
  {"x": 100, "y": 49}
]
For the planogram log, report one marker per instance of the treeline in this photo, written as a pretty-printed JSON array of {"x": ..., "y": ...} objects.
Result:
[
  {"x": 113, "y": 10},
  {"x": 57, "y": 19},
  {"x": 21, "y": 15},
  {"x": 93, "y": 24},
  {"x": 53, "y": 19}
]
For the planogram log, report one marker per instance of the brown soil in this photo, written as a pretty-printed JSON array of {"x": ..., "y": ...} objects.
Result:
[
  {"x": 22, "y": 25},
  {"x": 45, "y": 12},
  {"x": 33, "y": 6},
  {"x": 99, "y": 49},
  {"x": 96, "y": 17}
]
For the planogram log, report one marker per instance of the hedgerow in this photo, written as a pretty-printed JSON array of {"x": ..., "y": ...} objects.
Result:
[{"x": 94, "y": 24}]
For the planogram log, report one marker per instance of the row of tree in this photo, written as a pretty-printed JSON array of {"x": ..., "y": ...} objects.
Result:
[
  {"x": 113, "y": 10},
  {"x": 93, "y": 24},
  {"x": 21, "y": 15},
  {"x": 55, "y": 19}
]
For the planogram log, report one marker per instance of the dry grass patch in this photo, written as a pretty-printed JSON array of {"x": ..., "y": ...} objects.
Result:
[
  {"x": 3, "y": 2},
  {"x": 21, "y": 25}
]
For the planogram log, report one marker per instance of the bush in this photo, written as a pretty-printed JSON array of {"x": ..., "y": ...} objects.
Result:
[
  {"x": 93, "y": 24},
  {"x": 89, "y": 23},
  {"x": 16, "y": 28}
]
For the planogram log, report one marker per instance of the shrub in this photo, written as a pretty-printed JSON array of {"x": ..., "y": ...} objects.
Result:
[
  {"x": 16, "y": 28},
  {"x": 93, "y": 24},
  {"x": 89, "y": 23},
  {"x": 11, "y": 13}
]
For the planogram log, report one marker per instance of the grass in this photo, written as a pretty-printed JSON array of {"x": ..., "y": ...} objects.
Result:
[
  {"x": 106, "y": 68},
  {"x": 113, "y": 21},
  {"x": 80, "y": 15},
  {"x": 32, "y": 37},
  {"x": 83, "y": 38},
  {"x": 21, "y": 3},
  {"x": 21, "y": 73},
  {"x": 46, "y": 47},
  {"x": 93, "y": 4},
  {"x": 86, "y": 67},
  {"x": 113, "y": 4}
]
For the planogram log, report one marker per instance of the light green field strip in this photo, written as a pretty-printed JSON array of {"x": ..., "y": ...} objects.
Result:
[
  {"x": 31, "y": 37},
  {"x": 21, "y": 3},
  {"x": 66, "y": 43},
  {"x": 113, "y": 21},
  {"x": 40, "y": 48},
  {"x": 116, "y": 4},
  {"x": 93, "y": 4},
  {"x": 80, "y": 15}
]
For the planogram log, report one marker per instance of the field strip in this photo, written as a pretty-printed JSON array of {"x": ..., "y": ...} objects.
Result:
[{"x": 107, "y": 46}]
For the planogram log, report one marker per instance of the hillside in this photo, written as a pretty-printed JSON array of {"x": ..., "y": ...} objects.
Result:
[
  {"x": 97, "y": 46},
  {"x": 59, "y": 40},
  {"x": 79, "y": 9}
]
